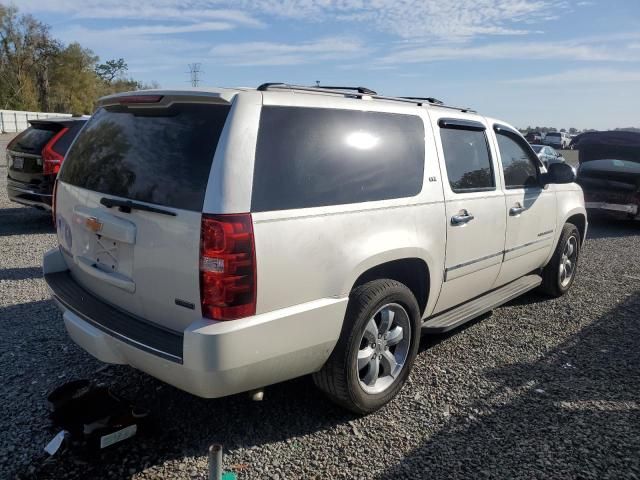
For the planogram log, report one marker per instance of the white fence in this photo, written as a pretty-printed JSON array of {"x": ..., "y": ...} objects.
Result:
[{"x": 16, "y": 121}]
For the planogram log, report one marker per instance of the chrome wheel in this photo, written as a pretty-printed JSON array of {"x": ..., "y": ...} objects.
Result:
[
  {"x": 384, "y": 347},
  {"x": 568, "y": 261}
]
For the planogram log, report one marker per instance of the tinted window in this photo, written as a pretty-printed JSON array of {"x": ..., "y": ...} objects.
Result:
[
  {"x": 159, "y": 155},
  {"x": 64, "y": 142},
  {"x": 537, "y": 148},
  {"x": 519, "y": 168},
  {"x": 32, "y": 140},
  {"x": 467, "y": 158},
  {"x": 310, "y": 157}
]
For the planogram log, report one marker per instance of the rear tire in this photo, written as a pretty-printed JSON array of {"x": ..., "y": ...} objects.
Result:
[
  {"x": 375, "y": 353},
  {"x": 560, "y": 272}
]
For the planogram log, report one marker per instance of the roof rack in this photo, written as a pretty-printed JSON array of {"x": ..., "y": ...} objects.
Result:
[
  {"x": 435, "y": 101},
  {"x": 319, "y": 88},
  {"x": 364, "y": 90},
  {"x": 361, "y": 91}
]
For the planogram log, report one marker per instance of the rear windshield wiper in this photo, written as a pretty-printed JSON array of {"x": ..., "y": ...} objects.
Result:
[{"x": 127, "y": 205}]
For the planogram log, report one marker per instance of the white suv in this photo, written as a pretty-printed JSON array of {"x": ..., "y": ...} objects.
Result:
[
  {"x": 560, "y": 140},
  {"x": 224, "y": 240}
]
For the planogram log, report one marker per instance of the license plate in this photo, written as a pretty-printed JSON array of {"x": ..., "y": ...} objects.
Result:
[
  {"x": 18, "y": 163},
  {"x": 119, "y": 436}
]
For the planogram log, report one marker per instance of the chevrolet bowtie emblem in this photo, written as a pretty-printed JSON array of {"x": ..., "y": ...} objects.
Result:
[{"x": 93, "y": 224}]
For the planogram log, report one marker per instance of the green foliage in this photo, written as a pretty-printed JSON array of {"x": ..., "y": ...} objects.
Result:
[
  {"x": 111, "y": 69},
  {"x": 38, "y": 73}
]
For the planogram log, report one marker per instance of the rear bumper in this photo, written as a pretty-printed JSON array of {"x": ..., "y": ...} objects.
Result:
[
  {"x": 213, "y": 359},
  {"x": 28, "y": 195}
]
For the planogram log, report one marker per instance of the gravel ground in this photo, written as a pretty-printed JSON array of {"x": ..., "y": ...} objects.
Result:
[{"x": 539, "y": 389}]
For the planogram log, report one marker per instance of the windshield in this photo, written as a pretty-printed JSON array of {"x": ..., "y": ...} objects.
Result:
[
  {"x": 156, "y": 155},
  {"x": 611, "y": 165},
  {"x": 536, "y": 148}
]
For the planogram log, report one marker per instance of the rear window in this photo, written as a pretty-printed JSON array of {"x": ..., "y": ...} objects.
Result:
[
  {"x": 536, "y": 148},
  {"x": 64, "y": 142},
  {"x": 553, "y": 134},
  {"x": 156, "y": 155},
  {"x": 310, "y": 157},
  {"x": 32, "y": 140}
]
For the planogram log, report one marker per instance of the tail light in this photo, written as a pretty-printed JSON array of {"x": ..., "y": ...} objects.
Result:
[
  {"x": 51, "y": 159},
  {"x": 227, "y": 267},
  {"x": 140, "y": 99}
]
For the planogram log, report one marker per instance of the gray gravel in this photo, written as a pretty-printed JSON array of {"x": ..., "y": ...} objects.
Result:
[{"x": 539, "y": 389}]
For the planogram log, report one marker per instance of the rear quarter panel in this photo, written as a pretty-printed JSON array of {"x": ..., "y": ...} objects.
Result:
[
  {"x": 312, "y": 253},
  {"x": 570, "y": 202}
]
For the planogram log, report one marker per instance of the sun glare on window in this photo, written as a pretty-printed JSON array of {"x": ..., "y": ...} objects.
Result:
[{"x": 362, "y": 140}]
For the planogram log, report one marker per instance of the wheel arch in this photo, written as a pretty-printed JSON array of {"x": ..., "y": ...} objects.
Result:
[
  {"x": 580, "y": 221},
  {"x": 411, "y": 270}
]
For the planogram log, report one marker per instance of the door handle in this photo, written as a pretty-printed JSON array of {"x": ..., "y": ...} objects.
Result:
[
  {"x": 461, "y": 218},
  {"x": 516, "y": 210}
]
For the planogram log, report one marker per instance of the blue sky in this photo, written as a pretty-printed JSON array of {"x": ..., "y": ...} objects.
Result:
[{"x": 562, "y": 63}]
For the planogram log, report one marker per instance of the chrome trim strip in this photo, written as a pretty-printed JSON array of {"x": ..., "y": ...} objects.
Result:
[
  {"x": 471, "y": 262},
  {"x": 24, "y": 190},
  {"x": 528, "y": 244},
  {"x": 503, "y": 253},
  {"x": 22, "y": 154}
]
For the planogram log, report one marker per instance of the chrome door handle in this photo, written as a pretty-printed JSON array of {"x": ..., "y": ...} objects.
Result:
[
  {"x": 461, "y": 218},
  {"x": 516, "y": 210}
]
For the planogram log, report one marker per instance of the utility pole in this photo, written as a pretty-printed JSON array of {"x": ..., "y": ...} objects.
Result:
[{"x": 194, "y": 74}]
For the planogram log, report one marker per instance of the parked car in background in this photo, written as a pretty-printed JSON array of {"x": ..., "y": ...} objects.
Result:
[
  {"x": 609, "y": 172},
  {"x": 35, "y": 156},
  {"x": 558, "y": 140},
  {"x": 548, "y": 155},
  {"x": 333, "y": 228},
  {"x": 534, "y": 137}
]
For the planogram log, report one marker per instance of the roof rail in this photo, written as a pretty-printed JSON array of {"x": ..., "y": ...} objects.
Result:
[
  {"x": 319, "y": 88},
  {"x": 426, "y": 99},
  {"x": 364, "y": 90},
  {"x": 361, "y": 91}
]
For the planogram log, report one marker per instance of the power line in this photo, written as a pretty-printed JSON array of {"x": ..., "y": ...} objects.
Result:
[{"x": 194, "y": 74}]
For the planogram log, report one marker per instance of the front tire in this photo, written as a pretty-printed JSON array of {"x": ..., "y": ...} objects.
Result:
[
  {"x": 560, "y": 272},
  {"x": 376, "y": 349}
]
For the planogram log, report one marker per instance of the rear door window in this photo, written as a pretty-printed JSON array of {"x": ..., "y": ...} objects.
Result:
[
  {"x": 33, "y": 140},
  {"x": 156, "y": 155},
  {"x": 310, "y": 157},
  {"x": 467, "y": 157}
]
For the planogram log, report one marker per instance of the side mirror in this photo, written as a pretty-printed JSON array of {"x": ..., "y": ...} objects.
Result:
[{"x": 559, "y": 173}]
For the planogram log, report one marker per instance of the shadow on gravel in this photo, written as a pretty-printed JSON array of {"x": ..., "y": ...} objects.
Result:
[
  {"x": 22, "y": 273},
  {"x": 572, "y": 414},
  {"x": 607, "y": 227},
  {"x": 24, "y": 221}
]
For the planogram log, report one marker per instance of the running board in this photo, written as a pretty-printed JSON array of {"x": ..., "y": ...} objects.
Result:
[{"x": 455, "y": 317}]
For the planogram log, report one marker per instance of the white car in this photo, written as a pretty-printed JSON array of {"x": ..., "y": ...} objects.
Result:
[
  {"x": 560, "y": 140},
  {"x": 223, "y": 240},
  {"x": 548, "y": 155}
]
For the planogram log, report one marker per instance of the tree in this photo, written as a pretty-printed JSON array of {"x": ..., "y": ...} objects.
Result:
[
  {"x": 37, "y": 72},
  {"x": 111, "y": 69},
  {"x": 27, "y": 52},
  {"x": 75, "y": 82}
]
